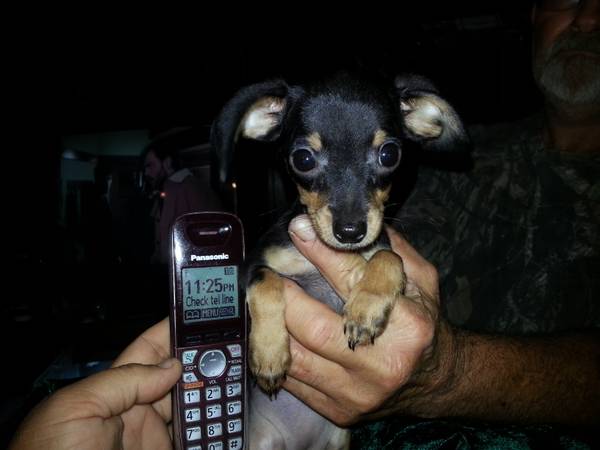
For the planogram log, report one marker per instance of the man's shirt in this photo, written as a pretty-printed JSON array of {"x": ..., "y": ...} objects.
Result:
[{"x": 515, "y": 239}]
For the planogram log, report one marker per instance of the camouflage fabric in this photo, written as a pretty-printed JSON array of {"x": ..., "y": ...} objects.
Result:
[
  {"x": 515, "y": 238},
  {"x": 516, "y": 243}
]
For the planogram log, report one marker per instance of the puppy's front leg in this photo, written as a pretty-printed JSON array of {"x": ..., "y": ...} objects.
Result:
[
  {"x": 373, "y": 297},
  {"x": 269, "y": 339}
]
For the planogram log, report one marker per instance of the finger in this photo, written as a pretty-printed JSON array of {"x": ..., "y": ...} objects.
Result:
[
  {"x": 164, "y": 408},
  {"x": 341, "y": 269},
  {"x": 411, "y": 258},
  {"x": 116, "y": 390},
  {"x": 317, "y": 372},
  {"x": 151, "y": 347},
  {"x": 318, "y": 401},
  {"x": 319, "y": 328},
  {"x": 416, "y": 267}
]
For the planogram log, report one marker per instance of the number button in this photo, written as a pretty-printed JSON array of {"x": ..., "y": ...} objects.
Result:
[
  {"x": 193, "y": 434},
  {"x": 188, "y": 356},
  {"x": 233, "y": 389},
  {"x": 234, "y": 408},
  {"x": 235, "y": 443},
  {"x": 192, "y": 396},
  {"x": 192, "y": 415},
  {"x": 234, "y": 426},
  {"x": 195, "y": 447},
  {"x": 213, "y": 411},
  {"x": 212, "y": 363},
  {"x": 215, "y": 445},
  {"x": 213, "y": 393},
  {"x": 214, "y": 429}
]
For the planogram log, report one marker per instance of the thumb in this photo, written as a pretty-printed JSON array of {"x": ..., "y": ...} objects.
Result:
[
  {"x": 118, "y": 389},
  {"x": 341, "y": 269}
]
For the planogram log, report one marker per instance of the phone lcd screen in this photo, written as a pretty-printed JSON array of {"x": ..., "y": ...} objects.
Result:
[{"x": 210, "y": 293}]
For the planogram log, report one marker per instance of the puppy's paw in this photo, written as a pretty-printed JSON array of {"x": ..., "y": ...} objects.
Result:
[
  {"x": 371, "y": 300},
  {"x": 270, "y": 359},
  {"x": 366, "y": 316}
]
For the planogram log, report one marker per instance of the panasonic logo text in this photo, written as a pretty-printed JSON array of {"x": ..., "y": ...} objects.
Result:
[{"x": 222, "y": 256}]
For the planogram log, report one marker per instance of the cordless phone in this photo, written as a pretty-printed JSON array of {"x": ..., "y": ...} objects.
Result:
[{"x": 208, "y": 332}]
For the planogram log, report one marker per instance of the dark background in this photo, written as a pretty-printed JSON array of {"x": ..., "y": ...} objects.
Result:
[{"x": 96, "y": 72}]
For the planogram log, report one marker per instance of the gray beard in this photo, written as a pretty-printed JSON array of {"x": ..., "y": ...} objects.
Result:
[{"x": 570, "y": 78}]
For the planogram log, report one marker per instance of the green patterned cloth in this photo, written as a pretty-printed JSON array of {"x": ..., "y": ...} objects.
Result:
[
  {"x": 515, "y": 238},
  {"x": 516, "y": 242},
  {"x": 439, "y": 434}
]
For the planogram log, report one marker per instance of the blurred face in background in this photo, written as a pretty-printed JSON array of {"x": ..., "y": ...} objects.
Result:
[
  {"x": 155, "y": 172},
  {"x": 566, "y": 50}
]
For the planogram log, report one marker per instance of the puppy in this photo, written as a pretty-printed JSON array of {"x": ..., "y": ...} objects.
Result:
[{"x": 342, "y": 141}]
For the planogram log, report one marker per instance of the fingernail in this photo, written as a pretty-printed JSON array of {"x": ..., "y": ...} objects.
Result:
[
  {"x": 301, "y": 227},
  {"x": 167, "y": 363}
]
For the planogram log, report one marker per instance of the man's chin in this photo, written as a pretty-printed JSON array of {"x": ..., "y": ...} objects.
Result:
[{"x": 572, "y": 77}]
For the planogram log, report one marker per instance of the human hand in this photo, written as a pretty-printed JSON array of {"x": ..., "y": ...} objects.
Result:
[
  {"x": 125, "y": 407},
  {"x": 399, "y": 372}
]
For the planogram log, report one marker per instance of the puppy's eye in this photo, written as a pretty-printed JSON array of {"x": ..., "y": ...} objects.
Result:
[
  {"x": 389, "y": 154},
  {"x": 303, "y": 160}
]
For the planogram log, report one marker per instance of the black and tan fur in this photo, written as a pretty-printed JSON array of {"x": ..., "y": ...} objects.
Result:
[{"x": 342, "y": 141}]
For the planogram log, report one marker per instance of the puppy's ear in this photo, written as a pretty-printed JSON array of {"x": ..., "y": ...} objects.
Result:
[
  {"x": 255, "y": 112},
  {"x": 426, "y": 117}
]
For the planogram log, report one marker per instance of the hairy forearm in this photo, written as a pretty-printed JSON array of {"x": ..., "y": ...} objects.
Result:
[{"x": 530, "y": 379}]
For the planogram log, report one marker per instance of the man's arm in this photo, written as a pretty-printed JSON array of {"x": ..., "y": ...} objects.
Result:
[
  {"x": 530, "y": 379},
  {"x": 421, "y": 366}
]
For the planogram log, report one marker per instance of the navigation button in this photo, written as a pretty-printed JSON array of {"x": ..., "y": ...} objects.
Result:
[{"x": 212, "y": 363}]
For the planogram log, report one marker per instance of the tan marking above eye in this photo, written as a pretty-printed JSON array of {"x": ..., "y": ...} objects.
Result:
[
  {"x": 379, "y": 138},
  {"x": 314, "y": 140}
]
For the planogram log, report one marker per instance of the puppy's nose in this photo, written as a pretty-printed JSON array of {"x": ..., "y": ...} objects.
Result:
[{"x": 349, "y": 233}]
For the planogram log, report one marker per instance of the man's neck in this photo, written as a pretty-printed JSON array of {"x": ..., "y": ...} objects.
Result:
[{"x": 572, "y": 130}]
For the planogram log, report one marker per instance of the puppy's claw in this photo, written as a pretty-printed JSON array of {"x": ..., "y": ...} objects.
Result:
[
  {"x": 359, "y": 335},
  {"x": 271, "y": 385},
  {"x": 269, "y": 365}
]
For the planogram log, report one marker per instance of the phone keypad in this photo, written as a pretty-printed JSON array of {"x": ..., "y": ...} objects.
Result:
[{"x": 212, "y": 388}]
